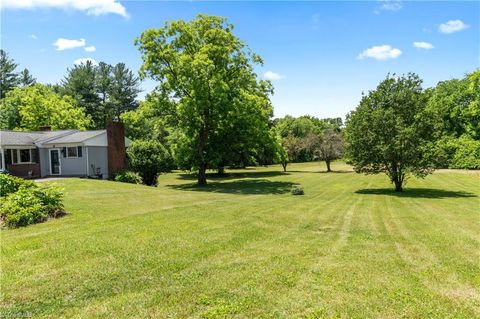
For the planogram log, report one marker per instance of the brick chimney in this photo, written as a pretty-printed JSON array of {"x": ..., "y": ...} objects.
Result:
[
  {"x": 45, "y": 128},
  {"x": 116, "y": 147}
]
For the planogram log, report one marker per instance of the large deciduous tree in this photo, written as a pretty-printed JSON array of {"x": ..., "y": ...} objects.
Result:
[
  {"x": 37, "y": 105},
  {"x": 390, "y": 131},
  {"x": 208, "y": 72}
]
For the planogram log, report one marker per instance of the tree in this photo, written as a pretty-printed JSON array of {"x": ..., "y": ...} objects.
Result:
[
  {"x": 80, "y": 83},
  {"x": 8, "y": 76},
  {"x": 31, "y": 107},
  {"x": 123, "y": 91},
  {"x": 390, "y": 131},
  {"x": 209, "y": 73},
  {"x": 149, "y": 158},
  {"x": 330, "y": 147},
  {"x": 26, "y": 78}
]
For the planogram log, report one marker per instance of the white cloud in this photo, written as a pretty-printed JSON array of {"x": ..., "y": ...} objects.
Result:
[
  {"x": 91, "y": 7},
  {"x": 381, "y": 52},
  {"x": 33, "y": 36},
  {"x": 388, "y": 5},
  {"x": 272, "y": 76},
  {"x": 64, "y": 44},
  {"x": 84, "y": 61},
  {"x": 423, "y": 45},
  {"x": 452, "y": 26},
  {"x": 91, "y": 48}
]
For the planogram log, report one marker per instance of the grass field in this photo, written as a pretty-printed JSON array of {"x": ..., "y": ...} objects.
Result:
[{"x": 244, "y": 247}]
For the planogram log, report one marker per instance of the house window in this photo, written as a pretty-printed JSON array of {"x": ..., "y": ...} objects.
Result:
[
  {"x": 23, "y": 156},
  {"x": 72, "y": 152}
]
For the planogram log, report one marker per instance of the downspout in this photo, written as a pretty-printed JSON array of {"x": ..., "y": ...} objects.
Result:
[{"x": 86, "y": 153}]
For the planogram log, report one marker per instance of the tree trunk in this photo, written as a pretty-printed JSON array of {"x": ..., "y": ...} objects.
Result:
[
  {"x": 398, "y": 185},
  {"x": 284, "y": 165},
  {"x": 202, "y": 174},
  {"x": 328, "y": 166},
  {"x": 221, "y": 170}
]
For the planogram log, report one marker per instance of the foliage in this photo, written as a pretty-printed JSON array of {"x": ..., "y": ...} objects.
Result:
[
  {"x": 220, "y": 106},
  {"x": 456, "y": 106},
  {"x": 331, "y": 147},
  {"x": 31, "y": 107},
  {"x": 297, "y": 190},
  {"x": 10, "y": 184},
  {"x": 149, "y": 158},
  {"x": 103, "y": 91},
  {"x": 8, "y": 76},
  {"x": 463, "y": 152},
  {"x": 128, "y": 177},
  {"x": 25, "y": 78},
  {"x": 24, "y": 203},
  {"x": 390, "y": 131}
]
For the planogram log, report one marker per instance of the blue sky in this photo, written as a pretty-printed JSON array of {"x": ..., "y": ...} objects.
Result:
[{"x": 321, "y": 55}]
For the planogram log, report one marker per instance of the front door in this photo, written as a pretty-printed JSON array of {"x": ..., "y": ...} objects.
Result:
[{"x": 55, "y": 162}]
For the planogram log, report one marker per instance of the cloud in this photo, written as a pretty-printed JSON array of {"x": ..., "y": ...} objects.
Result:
[
  {"x": 452, "y": 26},
  {"x": 381, "y": 52},
  {"x": 272, "y": 76},
  {"x": 64, "y": 44},
  {"x": 84, "y": 61},
  {"x": 33, "y": 36},
  {"x": 91, "y": 7},
  {"x": 91, "y": 48},
  {"x": 388, "y": 5},
  {"x": 423, "y": 45}
]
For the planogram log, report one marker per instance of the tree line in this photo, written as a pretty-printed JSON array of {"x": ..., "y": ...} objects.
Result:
[
  {"x": 210, "y": 110},
  {"x": 87, "y": 98}
]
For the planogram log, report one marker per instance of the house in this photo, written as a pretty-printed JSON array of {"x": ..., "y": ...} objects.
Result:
[{"x": 99, "y": 153}]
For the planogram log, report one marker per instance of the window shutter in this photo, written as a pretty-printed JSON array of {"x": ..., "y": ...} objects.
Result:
[
  {"x": 35, "y": 156},
  {"x": 79, "y": 151},
  {"x": 64, "y": 152}
]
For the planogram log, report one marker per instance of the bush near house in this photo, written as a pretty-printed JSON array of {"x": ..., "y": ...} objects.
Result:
[
  {"x": 23, "y": 202},
  {"x": 128, "y": 177}
]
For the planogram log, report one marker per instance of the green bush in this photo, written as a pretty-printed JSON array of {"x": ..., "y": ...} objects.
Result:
[
  {"x": 10, "y": 184},
  {"x": 128, "y": 177},
  {"x": 149, "y": 158},
  {"x": 297, "y": 190},
  {"x": 26, "y": 203}
]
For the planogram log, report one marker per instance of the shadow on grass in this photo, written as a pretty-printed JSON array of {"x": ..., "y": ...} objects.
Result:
[
  {"x": 258, "y": 186},
  {"x": 340, "y": 171},
  {"x": 232, "y": 175},
  {"x": 416, "y": 193}
]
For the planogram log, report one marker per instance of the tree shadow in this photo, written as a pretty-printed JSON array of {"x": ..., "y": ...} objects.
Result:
[
  {"x": 416, "y": 193},
  {"x": 340, "y": 171},
  {"x": 232, "y": 175},
  {"x": 250, "y": 187}
]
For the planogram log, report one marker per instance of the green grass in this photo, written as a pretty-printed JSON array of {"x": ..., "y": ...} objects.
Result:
[{"x": 245, "y": 247}]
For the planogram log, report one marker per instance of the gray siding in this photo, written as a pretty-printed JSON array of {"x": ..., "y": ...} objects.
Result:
[{"x": 97, "y": 156}]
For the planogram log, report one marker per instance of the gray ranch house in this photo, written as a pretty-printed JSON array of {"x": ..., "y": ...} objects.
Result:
[{"x": 99, "y": 153}]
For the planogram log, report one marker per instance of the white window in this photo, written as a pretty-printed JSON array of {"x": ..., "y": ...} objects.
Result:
[
  {"x": 23, "y": 156},
  {"x": 72, "y": 151}
]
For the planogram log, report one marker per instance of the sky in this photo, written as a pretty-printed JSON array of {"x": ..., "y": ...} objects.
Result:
[{"x": 319, "y": 55}]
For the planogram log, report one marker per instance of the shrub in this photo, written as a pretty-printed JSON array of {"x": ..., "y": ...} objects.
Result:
[
  {"x": 25, "y": 203},
  {"x": 149, "y": 158},
  {"x": 128, "y": 177},
  {"x": 297, "y": 190},
  {"x": 10, "y": 184}
]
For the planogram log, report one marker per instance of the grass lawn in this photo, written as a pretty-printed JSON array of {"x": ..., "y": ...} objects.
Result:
[{"x": 244, "y": 247}]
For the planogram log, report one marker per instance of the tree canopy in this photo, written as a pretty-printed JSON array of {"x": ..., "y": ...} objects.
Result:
[
  {"x": 391, "y": 132},
  {"x": 31, "y": 107},
  {"x": 220, "y": 105}
]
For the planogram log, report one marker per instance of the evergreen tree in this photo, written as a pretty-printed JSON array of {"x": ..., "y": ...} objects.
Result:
[
  {"x": 26, "y": 78},
  {"x": 8, "y": 76}
]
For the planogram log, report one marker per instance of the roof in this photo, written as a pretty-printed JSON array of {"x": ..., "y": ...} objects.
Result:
[{"x": 39, "y": 138}]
